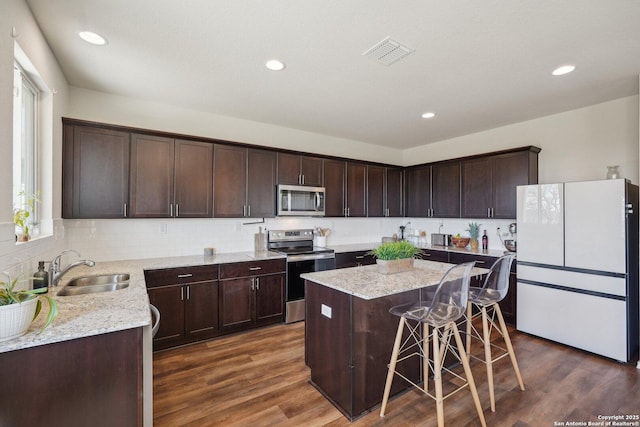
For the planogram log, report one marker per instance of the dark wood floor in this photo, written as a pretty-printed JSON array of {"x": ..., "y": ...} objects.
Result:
[{"x": 259, "y": 379}]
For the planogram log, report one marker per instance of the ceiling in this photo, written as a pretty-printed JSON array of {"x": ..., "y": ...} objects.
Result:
[{"x": 477, "y": 64}]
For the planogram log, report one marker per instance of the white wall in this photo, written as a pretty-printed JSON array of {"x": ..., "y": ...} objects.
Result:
[
  {"x": 15, "y": 14},
  {"x": 106, "y": 108},
  {"x": 576, "y": 145}
]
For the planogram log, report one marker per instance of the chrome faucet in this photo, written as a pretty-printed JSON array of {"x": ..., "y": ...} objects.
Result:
[{"x": 55, "y": 273}]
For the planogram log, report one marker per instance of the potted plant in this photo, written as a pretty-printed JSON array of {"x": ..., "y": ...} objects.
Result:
[
  {"x": 395, "y": 257},
  {"x": 18, "y": 308},
  {"x": 22, "y": 214},
  {"x": 474, "y": 233}
]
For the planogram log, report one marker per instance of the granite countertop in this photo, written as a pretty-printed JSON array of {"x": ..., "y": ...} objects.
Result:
[
  {"x": 365, "y": 282},
  {"x": 92, "y": 314},
  {"x": 369, "y": 246}
]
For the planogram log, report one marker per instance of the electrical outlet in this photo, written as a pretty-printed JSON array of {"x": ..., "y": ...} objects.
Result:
[{"x": 163, "y": 228}]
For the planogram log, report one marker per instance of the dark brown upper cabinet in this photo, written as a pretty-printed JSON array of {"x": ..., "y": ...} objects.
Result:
[
  {"x": 244, "y": 182},
  {"x": 489, "y": 182},
  {"x": 433, "y": 190},
  {"x": 346, "y": 188},
  {"x": 295, "y": 169},
  {"x": 384, "y": 191},
  {"x": 95, "y": 172},
  {"x": 170, "y": 178}
]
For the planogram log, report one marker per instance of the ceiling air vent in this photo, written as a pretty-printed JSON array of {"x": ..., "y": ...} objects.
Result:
[{"x": 388, "y": 51}]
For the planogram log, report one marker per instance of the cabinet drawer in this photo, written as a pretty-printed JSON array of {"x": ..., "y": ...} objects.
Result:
[
  {"x": 435, "y": 255},
  {"x": 482, "y": 261},
  {"x": 173, "y": 276},
  {"x": 353, "y": 259},
  {"x": 252, "y": 268}
]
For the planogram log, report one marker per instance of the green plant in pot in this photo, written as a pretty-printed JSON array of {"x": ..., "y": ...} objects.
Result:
[
  {"x": 395, "y": 257},
  {"x": 22, "y": 215},
  {"x": 474, "y": 233},
  {"x": 18, "y": 308}
]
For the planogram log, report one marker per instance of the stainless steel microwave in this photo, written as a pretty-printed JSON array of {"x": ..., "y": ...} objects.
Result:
[{"x": 300, "y": 200}]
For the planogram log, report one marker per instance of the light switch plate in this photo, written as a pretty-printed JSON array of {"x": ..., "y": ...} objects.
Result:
[{"x": 325, "y": 310}]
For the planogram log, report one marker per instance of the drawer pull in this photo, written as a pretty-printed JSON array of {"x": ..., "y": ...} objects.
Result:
[
  {"x": 360, "y": 257},
  {"x": 255, "y": 268},
  {"x": 479, "y": 262},
  {"x": 182, "y": 276}
]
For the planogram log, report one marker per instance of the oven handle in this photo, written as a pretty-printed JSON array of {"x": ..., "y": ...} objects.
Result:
[{"x": 310, "y": 257}]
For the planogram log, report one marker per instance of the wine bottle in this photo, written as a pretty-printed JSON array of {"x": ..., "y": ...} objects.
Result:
[{"x": 485, "y": 240}]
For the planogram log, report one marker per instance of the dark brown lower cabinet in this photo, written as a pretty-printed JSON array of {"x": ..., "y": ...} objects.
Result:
[
  {"x": 187, "y": 299},
  {"x": 354, "y": 259},
  {"x": 94, "y": 381},
  {"x": 246, "y": 302}
]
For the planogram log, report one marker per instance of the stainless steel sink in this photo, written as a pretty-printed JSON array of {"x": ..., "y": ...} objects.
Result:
[{"x": 94, "y": 284}]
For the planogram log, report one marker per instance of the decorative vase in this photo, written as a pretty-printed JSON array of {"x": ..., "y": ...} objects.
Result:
[
  {"x": 613, "y": 172},
  {"x": 321, "y": 241},
  {"x": 16, "y": 318},
  {"x": 394, "y": 265},
  {"x": 474, "y": 244}
]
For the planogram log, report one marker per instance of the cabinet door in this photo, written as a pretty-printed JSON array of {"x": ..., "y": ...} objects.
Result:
[
  {"x": 201, "y": 309},
  {"x": 334, "y": 176},
  {"x": 229, "y": 181},
  {"x": 445, "y": 190},
  {"x": 418, "y": 191},
  {"x": 95, "y": 172},
  {"x": 236, "y": 303},
  {"x": 477, "y": 187},
  {"x": 311, "y": 171},
  {"x": 289, "y": 169},
  {"x": 509, "y": 171},
  {"x": 151, "y": 176},
  {"x": 261, "y": 184},
  {"x": 356, "y": 196},
  {"x": 375, "y": 191},
  {"x": 169, "y": 302},
  {"x": 393, "y": 192},
  {"x": 193, "y": 179},
  {"x": 269, "y": 299}
]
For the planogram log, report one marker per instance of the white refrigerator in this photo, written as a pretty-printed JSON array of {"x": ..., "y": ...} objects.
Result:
[{"x": 578, "y": 265}]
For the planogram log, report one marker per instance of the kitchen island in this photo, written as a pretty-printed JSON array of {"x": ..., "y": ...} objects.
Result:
[{"x": 349, "y": 331}]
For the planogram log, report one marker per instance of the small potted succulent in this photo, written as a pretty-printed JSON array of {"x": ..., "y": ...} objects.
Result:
[
  {"x": 395, "y": 257},
  {"x": 474, "y": 234},
  {"x": 18, "y": 308},
  {"x": 22, "y": 215}
]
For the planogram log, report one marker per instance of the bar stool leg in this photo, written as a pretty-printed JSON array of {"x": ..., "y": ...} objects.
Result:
[
  {"x": 507, "y": 340},
  {"x": 392, "y": 365},
  {"x": 487, "y": 357},
  {"x": 469, "y": 375},
  {"x": 425, "y": 359},
  {"x": 468, "y": 325},
  {"x": 437, "y": 375}
]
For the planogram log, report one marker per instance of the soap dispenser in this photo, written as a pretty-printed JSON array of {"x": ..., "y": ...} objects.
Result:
[{"x": 40, "y": 277}]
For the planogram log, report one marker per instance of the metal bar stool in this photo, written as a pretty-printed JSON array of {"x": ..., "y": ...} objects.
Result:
[
  {"x": 441, "y": 313},
  {"x": 486, "y": 299}
]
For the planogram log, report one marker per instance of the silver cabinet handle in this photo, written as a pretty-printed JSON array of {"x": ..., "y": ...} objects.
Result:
[
  {"x": 248, "y": 210},
  {"x": 182, "y": 276},
  {"x": 170, "y": 209},
  {"x": 181, "y": 293},
  {"x": 255, "y": 268},
  {"x": 177, "y": 214},
  {"x": 188, "y": 292},
  {"x": 125, "y": 210},
  {"x": 257, "y": 283},
  {"x": 253, "y": 283}
]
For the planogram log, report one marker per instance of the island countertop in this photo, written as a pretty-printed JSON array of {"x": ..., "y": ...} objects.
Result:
[
  {"x": 365, "y": 282},
  {"x": 99, "y": 313}
]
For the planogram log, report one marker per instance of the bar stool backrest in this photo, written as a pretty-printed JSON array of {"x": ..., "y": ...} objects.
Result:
[
  {"x": 450, "y": 299},
  {"x": 496, "y": 283}
]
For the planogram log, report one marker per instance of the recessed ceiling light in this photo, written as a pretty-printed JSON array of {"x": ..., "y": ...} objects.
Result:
[
  {"x": 428, "y": 115},
  {"x": 565, "y": 69},
  {"x": 275, "y": 65},
  {"x": 93, "y": 38}
]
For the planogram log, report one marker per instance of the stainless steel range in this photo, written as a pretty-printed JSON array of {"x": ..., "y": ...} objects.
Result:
[{"x": 302, "y": 257}]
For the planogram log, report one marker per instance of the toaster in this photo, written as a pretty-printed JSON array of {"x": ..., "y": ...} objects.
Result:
[{"x": 440, "y": 239}]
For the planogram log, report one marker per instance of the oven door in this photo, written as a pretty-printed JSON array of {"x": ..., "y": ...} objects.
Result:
[{"x": 295, "y": 285}]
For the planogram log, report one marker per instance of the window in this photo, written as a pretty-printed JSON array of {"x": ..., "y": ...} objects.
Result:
[{"x": 25, "y": 102}]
